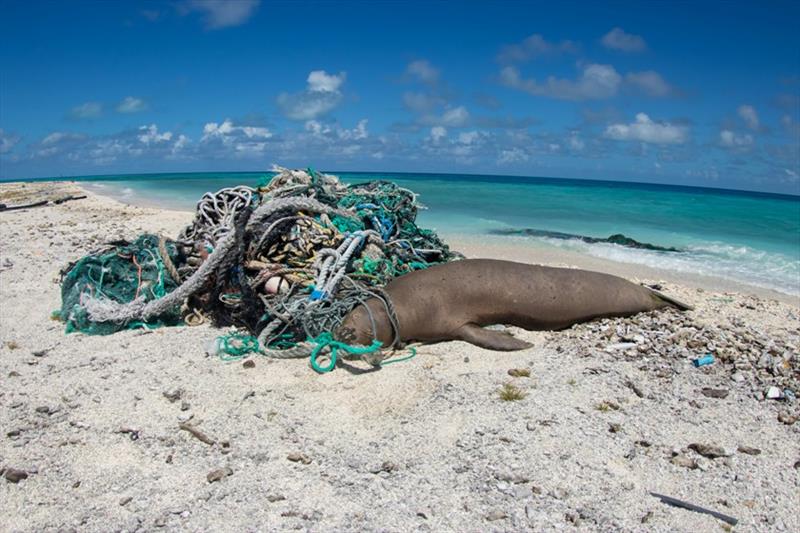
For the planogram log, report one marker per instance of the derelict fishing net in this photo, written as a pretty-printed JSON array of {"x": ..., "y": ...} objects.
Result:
[
  {"x": 121, "y": 272},
  {"x": 286, "y": 260}
]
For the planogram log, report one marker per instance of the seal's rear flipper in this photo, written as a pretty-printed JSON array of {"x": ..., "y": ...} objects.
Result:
[
  {"x": 489, "y": 339},
  {"x": 670, "y": 300}
]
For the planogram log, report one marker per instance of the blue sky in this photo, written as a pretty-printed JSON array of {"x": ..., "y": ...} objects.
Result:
[{"x": 704, "y": 94}]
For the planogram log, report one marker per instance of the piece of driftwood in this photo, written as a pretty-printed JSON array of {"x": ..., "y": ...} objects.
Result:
[
  {"x": 41, "y": 203},
  {"x": 199, "y": 435},
  {"x": 669, "y": 500}
]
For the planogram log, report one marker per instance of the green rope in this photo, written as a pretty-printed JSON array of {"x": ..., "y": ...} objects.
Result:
[
  {"x": 411, "y": 355},
  {"x": 236, "y": 346},
  {"x": 326, "y": 340}
]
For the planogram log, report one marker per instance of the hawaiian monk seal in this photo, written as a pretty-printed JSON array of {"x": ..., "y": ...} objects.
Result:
[{"x": 453, "y": 301}]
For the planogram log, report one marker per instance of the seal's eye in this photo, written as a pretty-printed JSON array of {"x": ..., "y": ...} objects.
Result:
[{"x": 346, "y": 334}]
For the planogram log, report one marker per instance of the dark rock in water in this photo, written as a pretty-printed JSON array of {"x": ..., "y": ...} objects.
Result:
[{"x": 617, "y": 238}]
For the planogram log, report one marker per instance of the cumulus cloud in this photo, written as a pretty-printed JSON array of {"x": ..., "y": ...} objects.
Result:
[
  {"x": 438, "y": 133},
  {"x": 219, "y": 14},
  {"x": 226, "y": 138},
  {"x": 88, "y": 110},
  {"x": 467, "y": 147},
  {"x": 511, "y": 156},
  {"x": 644, "y": 129},
  {"x": 321, "y": 96},
  {"x": 749, "y": 115},
  {"x": 594, "y": 83},
  {"x": 617, "y": 39},
  {"x": 321, "y": 81},
  {"x": 730, "y": 139},
  {"x": 320, "y": 130},
  {"x": 454, "y": 117},
  {"x": 131, "y": 104},
  {"x": 423, "y": 71},
  {"x": 59, "y": 136},
  {"x": 339, "y": 142},
  {"x": 149, "y": 134},
  {"x": 649, "y": 82},
  {"x": 535, "y": 46},
  {"x": 145, "y": 141},
  {"x": 7, "y": 141}
]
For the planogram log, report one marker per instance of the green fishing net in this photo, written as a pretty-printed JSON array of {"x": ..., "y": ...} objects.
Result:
[{"x": 122, "y": 273}]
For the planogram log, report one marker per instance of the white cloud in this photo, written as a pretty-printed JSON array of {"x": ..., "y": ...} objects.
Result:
[
  {"x": 438, "y": 133},
  {"x": 59, "y": 136},
  {"x": 87, "y": 110},
  {"x": 617, "y": 39},
  {"x": 321, "y": 81},
  {"x": 646, "y": 130},
  {"x": 535, "y": 46},
  {"x": 650, "y": 82},
  {"x": 729, "y": 139},
  {"x": 219, "y": 14},
  {"x": 423, "y": 71},
  {"x": 335, "y": 132},
  {"x": 131, "y": 104},
  {"x": 56, "y": 143},
  {"x": 7, "y": 141},
  {"x": 321, "y": 96},
  {"x": 749, "y": 115},
  {"x": 454, "y": 117},
  {"x": 595, "y": 82},
  {"x": 468, "y": 137},
  {"x": 228, "y": 132},
  {"x": 181, "y": 143},
  {"x": 149, "y": 134},
  {"x": 336, "y": 141},
  {"x": 228, "y": 140},
  {"x": 512, "y": 155}
]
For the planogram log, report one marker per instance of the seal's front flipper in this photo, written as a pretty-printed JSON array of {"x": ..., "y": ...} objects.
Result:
[{"x": 489, "y": 339}]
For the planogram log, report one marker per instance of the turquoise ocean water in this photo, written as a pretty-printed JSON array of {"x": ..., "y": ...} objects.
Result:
[{"x": 748, "y": 237}]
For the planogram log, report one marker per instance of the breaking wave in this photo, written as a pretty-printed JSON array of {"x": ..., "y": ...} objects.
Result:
[{"x": 738, "y": 263}]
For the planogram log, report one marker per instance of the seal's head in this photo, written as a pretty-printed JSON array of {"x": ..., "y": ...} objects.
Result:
[{"x": 355, "y": 328}]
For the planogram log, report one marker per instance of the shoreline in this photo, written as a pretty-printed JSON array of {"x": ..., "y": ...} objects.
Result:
[{"x": 531, "y": 252}]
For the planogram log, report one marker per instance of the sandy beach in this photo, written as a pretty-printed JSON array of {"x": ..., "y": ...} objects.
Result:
[{"x": 611, "y": 411}]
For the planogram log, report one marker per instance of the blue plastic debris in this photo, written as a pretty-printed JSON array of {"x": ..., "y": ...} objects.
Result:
[
  {"x": 707, "y": 359},
  {"x": 317, "y": 295}
]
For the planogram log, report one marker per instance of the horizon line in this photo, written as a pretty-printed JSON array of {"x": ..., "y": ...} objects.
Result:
[{"x": 83, "y": 177}]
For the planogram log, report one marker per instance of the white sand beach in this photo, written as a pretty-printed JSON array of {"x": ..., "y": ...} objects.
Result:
[{"x": 612, "y": 410}]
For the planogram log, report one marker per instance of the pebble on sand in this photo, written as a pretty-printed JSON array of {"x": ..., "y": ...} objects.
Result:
[
  {"x": 219, "y": 474},
  {"x": 15, "y": 475},
  {"x": 297, "y": 457}
]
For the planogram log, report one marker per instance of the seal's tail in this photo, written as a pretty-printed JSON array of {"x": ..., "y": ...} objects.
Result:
[{"x": 670, "y": 300}]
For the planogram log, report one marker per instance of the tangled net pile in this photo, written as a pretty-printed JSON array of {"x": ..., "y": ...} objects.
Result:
[{"x": 285, "y": 261}]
